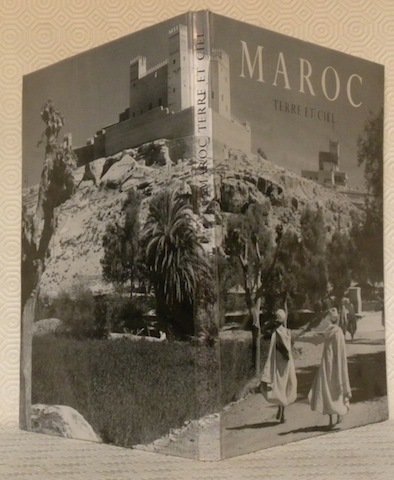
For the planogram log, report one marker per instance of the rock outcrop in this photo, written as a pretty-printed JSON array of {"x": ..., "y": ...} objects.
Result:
[
  {"x": 63, "y": 421},
  {"x": 48, "y": 325},
  {"x": 240, "y": 180}
]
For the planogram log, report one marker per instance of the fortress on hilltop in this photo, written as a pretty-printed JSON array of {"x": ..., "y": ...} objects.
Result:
[
  {"x": 328, "y": 174},
  {"x": 161, "y": 104}
]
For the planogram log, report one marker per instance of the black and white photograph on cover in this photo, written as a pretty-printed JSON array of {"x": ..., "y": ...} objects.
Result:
[
  {"x": 118, "y": 288},
  {"x": 301, "y": 258},
  {"x": 202, "y": 241}
]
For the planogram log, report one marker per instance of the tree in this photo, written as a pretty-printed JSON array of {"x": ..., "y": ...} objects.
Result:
[
  {"x": 284, "y": 285},
  {"x": 121, "y": 262},
  {"x": 250, "y": 241},
  {"x": 229, "y": 275},
  {"x": 57, "y": 181},
  {"x": 179, "y": 272},
  {"x": 370, "y": 154},
  {"x": 340, "y": 254},
  {"x": 313, "y": 277},
  {"x": 369, "y": 239},
  {"x": 56, "y": 186}
]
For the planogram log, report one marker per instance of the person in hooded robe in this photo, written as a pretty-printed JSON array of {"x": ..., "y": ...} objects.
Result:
[
  {"x": 330, "y": 392},
  {"x": 351, "y": 317},
  {"x": 279, "y": 381}
]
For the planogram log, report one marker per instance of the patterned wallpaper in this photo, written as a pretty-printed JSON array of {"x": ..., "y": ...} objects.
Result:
[{"x": 36, "y": 33}]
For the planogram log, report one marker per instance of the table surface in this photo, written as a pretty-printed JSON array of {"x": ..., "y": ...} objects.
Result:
[{"x": 360, "y": 453}]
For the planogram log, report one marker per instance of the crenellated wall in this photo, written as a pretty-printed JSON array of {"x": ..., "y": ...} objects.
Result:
[
  {"x": 162, "y": 124},
  {"x": 148, "y": 92}
]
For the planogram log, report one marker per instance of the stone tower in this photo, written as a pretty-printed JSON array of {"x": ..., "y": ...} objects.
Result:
[
  {"x": 334, "y": 151},
  {"x": 137, "y": 71},
  {"x": 220, "y": 82},
  {"x": 137, "y": 68},
  {"x": 179, "y": 94}
]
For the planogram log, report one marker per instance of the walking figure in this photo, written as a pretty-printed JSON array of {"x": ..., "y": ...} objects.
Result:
[
  {"x": 351, "y": 317},
  {"x": 331, "y": 392},
  {"x": 279, "y": 381}
]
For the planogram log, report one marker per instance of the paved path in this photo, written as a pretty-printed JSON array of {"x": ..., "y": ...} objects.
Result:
[{"x": 250, "y": 424}]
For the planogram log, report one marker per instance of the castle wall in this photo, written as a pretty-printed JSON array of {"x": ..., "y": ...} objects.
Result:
[
  {"x": 148, "y": 92},
  {"x": 310, "y": 174},
  {"x": 229, "y": 133},
  {"x": 99, "y": 146},
  {"x": 84, "y": 154},
  {"x": 179, "y": 93},
  {"x": 220, "y": 83},
  {"x": 137, "y": 67},
  {"x": 324, "y": 177},
  {"x": 161, "y": 124},
  {"x": 328, "y": 161},
  {"x": 340, "y": 178}
]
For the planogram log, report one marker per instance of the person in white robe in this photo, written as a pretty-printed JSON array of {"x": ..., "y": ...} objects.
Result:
[
  {"x": 331, "y": 392},
  {"x": 279, "y": 381}
]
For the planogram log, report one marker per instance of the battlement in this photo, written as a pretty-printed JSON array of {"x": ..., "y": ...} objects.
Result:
[{"x": 161, "y": 94}]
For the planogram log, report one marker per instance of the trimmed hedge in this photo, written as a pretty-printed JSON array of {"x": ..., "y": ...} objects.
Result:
[{"x": 135, "y": 392}]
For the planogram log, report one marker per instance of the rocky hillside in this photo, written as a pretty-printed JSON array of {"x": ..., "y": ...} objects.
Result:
[
  {"x": 76, "y": 247},
  {"x": 241, "y": 180}
]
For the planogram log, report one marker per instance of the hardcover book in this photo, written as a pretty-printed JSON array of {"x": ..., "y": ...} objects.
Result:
[{"x": 202, "y": 241}]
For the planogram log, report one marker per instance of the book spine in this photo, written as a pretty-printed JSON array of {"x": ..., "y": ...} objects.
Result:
[
  {"x": 207, "y": 360},
  {"x": 201, "y": 91}
]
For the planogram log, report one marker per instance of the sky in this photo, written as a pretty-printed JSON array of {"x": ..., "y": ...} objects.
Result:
[
  {"x": 290, "y": 140},
  {"x": 91, "y": 89}
]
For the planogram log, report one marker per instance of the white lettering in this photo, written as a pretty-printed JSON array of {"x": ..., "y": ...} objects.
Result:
[
  {"x": 349, "y": 89},
  {"x": 281, "y": 69},
  {"x": 258, "y": 59},
  {"x": 337, "y": 83},
  {"x": 305, "y": 76}
]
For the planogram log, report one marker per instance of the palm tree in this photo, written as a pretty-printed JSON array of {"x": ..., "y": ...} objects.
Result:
[{"x": 175, "y": 260}]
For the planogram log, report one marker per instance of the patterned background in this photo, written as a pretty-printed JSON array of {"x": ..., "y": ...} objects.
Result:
[{"x": 36, "y": 33}]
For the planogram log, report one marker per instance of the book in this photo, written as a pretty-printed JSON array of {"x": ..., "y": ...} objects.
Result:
[{"x": 202, "y": 241}]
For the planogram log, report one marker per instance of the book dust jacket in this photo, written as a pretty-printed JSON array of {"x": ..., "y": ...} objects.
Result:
[{"x": 202, "y": 241}]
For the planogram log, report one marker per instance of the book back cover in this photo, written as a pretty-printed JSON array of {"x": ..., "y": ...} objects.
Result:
[{"x": 118, "y": 284}]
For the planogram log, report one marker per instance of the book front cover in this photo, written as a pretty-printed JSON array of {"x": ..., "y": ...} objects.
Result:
[{"x": 298, "y": 157}]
